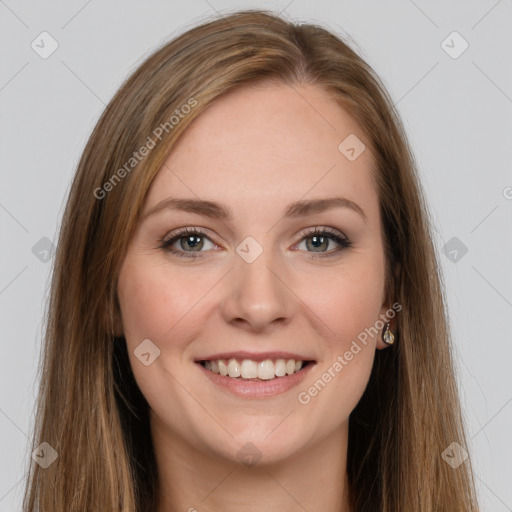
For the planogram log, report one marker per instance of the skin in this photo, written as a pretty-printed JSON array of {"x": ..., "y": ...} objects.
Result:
[{"x": 256, "y": 150}]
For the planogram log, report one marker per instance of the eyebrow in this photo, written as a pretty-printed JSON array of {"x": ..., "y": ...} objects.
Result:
[{"x": 215, "y": 210}]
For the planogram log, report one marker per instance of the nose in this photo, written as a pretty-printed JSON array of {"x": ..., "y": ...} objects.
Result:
[{"x": 258, "y": 296}]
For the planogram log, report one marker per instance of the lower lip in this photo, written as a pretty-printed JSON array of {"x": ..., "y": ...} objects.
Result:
[{"x": 257, "y": 389}]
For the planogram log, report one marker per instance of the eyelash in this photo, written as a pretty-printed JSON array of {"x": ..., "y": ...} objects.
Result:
[{"x": 342, "y": 241}]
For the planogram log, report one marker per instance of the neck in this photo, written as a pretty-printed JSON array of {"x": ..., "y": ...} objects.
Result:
[{"x": 192, "y": 480}]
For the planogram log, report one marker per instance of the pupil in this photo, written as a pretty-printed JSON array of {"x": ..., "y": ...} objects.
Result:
[
  {"x": 318, "y": 241},
  {"x": 190, "y": 241}
]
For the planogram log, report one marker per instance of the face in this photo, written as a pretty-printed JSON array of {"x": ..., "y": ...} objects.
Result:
[{"x": 270, "y": 280}]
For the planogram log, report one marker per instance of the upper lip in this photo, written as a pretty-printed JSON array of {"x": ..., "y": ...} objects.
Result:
[{"x": 261, "y": 356}]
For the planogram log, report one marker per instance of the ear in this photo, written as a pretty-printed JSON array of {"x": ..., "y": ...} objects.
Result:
[{"x": 390, "y": 309}]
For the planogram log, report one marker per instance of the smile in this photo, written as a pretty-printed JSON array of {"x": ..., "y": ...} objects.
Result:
[
  {"x": 248, "y": 369},
  {"x": 250, "y": 379}
]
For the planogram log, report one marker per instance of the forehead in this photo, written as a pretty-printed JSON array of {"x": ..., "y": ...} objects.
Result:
[{"x": 267, "y": 143}]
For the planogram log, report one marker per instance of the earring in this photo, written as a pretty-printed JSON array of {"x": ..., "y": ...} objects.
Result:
[{"x": 387, "y": 335}]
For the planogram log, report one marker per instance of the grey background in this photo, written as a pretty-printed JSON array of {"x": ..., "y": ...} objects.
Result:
[{"x": 457, "y": 111}]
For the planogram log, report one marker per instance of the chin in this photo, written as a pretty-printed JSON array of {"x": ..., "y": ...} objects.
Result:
[{"x": 264, "y": 446}]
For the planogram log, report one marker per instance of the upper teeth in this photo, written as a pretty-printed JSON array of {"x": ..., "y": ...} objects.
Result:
[{"x": 249, "y": 369}]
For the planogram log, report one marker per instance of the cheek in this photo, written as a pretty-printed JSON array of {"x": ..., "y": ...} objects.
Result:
[
  {"x": 144, "y": 306},
  {"x": 347, "y": 301},
  {"x": 156, "y": 303},
  {"x": 348, "y": 307}
]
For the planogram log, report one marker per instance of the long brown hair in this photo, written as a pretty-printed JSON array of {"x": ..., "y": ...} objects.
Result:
[{"x": 89, "y": 408}]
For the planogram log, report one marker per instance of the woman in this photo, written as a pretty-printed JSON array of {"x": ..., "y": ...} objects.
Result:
[{"x": 246, "y": 307}]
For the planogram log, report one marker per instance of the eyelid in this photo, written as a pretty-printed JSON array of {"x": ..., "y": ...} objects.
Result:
[
  {"x": 167, "y": 241},
  {"x": 332, "y": 234},
  {"x": 321, "y": 229}
]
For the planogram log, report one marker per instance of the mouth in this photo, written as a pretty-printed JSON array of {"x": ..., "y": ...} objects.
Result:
[
  {"x": 256, "y": 378},
  {"x": 251, "y": 375},
  {"x": 255, "y": 369}
]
